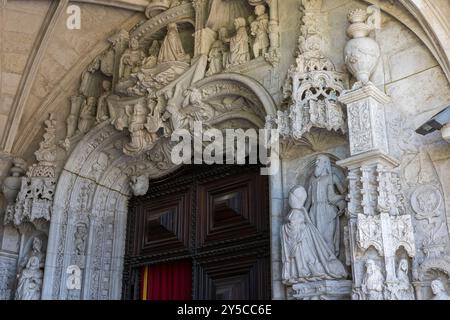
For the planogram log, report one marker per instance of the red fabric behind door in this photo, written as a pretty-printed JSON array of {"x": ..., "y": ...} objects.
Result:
[{"x": 167, "y": 281}]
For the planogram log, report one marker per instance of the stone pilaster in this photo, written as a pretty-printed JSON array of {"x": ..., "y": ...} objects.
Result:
[
  {"x": 377, "y": 217},
  {"x": 366, "y": 119}
]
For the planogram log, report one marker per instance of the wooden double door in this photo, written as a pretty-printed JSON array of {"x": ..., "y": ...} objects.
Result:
[{"x": 202, "y": 233}]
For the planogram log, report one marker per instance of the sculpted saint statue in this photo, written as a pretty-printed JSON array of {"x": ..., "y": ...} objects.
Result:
[
  {"x": 131, "y": 60},
  {"x": 172, "y": 48},
  {"x": 373, "y": 283},
  {"x": 140, "y": 137},
  {"x": 31, "y": 277},
  {"x": 102, "y": 104},
  {"x": 88, "y": 115},
  {"x": 439, "y": 291},
  {"x": 325, "y": 206},
  {"x": 305, "y": 255},
  {"x": 239, "y": 44},
  {"x": 153, "y": 53},
  {"x": 80, "y": 239},
  {"x": 218, "y": 54},
  {"x": 260, "y": 30},
  {"x": 403, "y": 288}
]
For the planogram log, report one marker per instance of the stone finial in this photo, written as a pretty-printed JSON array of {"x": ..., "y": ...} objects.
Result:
[{"x": 362, "y": 53}]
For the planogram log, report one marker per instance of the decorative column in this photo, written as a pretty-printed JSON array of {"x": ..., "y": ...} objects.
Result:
[{"x": 378, "y": 225}]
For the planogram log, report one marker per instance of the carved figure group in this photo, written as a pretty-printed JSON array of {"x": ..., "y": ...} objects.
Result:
[
  {"x": 250, "y": 40},
  {"x": 305, "y": 254}
]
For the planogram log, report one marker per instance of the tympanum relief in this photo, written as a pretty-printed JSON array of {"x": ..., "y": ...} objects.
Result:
[{"x": 162, "y": 75}]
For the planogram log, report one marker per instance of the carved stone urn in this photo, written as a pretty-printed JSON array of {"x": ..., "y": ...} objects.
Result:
[{"x": 361, "y": 52}]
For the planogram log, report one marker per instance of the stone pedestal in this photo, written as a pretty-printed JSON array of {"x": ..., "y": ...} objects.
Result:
[
  {"x": 366, "y": 119},
  {"x": 323, "y": 290}
]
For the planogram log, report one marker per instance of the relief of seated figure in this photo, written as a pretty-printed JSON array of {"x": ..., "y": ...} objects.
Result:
[{"x": 163, "y": 65}]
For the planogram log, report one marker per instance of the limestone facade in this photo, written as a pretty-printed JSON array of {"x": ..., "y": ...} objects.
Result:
[{"x": 86, "y": 118}]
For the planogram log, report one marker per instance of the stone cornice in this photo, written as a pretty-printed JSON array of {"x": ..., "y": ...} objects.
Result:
[
  {"x": 368, "y": 91},
  {"x": 369, "y": 158}
]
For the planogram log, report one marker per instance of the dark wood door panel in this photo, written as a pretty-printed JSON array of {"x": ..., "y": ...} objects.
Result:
[
  {"x": 236, "y": 278},
  {"x": 218, "y": 218},
  {"x": 231, "y": 209},
  {"x": 164, "y": 225}
]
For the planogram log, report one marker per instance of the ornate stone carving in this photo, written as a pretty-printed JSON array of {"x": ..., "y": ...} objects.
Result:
[
  {"x": 139, "y": 185},
  {"x": 35, "y": 199},
  {"x": 11, "y": 187},
  {"x": 313, "y": 86},
  {"x": 401, "y": 288},
  {"x": 305, "y": 254},
  {"x": 326, "y": 202},
  {"x": 260, "y": 32},
  {"x": 361, "y": 52},
  {"x": 239, "y": 44},
  {"x": 377, "y": 212},
  {"x": 80, "y": 236},
  {"x": 439, "y": 291},
  {"x": 426, "y": 202},
  {"x": 373, "y": 282},
  {"x": 8, "y": 267},
  {"x": 31, "y": 277}
]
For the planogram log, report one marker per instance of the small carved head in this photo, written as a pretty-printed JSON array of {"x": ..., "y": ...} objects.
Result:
[
  {"x": 81, "y": 230},
  {"x": 106, "y": 85},
  {"x": 223, "y": 33},
  {"x": 139, "y": 185},
  {"x": 239, "y": 23},
  {"x": 323, "y": 166},
  {"x": 172, "y": 27},
  {"x": 134, "y": 44},
  {"x": 297, "y": 197},
  {"x": 403, "y": 266},
  {"x": 37, "y": 244},
  {"x": 91, "y": 101},
  {"x": 371, "y": 267},
  {"x": 437, "y": 287},
  {"x": 260, "y": 10}
]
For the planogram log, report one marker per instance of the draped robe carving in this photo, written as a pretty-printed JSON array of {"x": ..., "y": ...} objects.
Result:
[{"x": 306, "y": 256}]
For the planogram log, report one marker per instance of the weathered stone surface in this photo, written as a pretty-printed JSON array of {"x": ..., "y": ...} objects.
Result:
[{"x": 117, "y": 95}]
